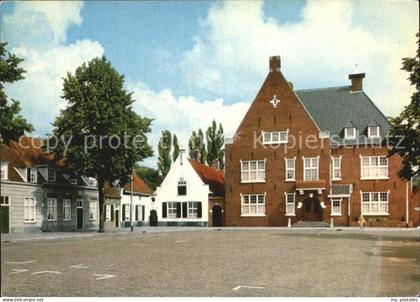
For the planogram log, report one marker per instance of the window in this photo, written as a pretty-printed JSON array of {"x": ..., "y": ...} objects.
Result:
[
  {"x": 290, "y": 168},
  {"x": 374, "y": 203},
  {"x": 373, "y": 131},
  {"x": 253, "y": 171},
  {"x": 92, "y": 181},
  {"x": 108, "y": 212},
  {"x": 92, "y": 209},
  {"x": 66, "y": 209},
  {"x": 336, "y": 206},
  {"x": 4, "y": 168},
  {"x": 192, "y": 209},
  {"x": 29, "y": 209},
  {"x": 277, "y": 137},
  {"x": 51, "y": 209},
  {"x": 126, "y": 212},
  {"x": 79, "y": 203},
  {"x": 32, "y": 175},
  {"x": 139, "y": 212},
  {"x": 172, "y": 209},
  {"x": 182, "y": 187},
  {"x": 73, "y": 181},
  {"x": 350, "y": 133},
  {"x": 290, "y": 204},
  {"x": 51, "y": 174},
  {"x": 374, "y": 167},
  {"x": 253, "y": 205},
  {"x": 310, "y": 168},
  {"x": 336, "y": 168},
  {"x": 4, "y": 200}
]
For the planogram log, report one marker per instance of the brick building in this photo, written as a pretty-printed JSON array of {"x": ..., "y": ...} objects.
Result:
[{"x": 314, "y": 155}]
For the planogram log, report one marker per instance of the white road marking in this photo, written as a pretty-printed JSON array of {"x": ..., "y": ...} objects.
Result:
[
  {"x": 102, "y": 276},
  {"x": 247, "y": 286},
  {"x": 78, "y": 266},
  {"x": 180, "y": 241},
  {"x": 17, "y": 271},
  {"x": 46, "y": 272},
  {"x": 21, "y": 262}
]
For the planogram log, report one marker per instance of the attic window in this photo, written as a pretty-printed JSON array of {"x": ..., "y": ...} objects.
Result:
[
  {"x": 350, "y": 133},
  {"x": 51, "y": 175},
  {"x": 4, "y": 170},
  {"x": 73, "y": 181},
  {"x": 373, "y": 131},
  {"x": 92, "y": 181},
  {"x": 32, "y": 175},
  {"x": 182, "y": 187}
]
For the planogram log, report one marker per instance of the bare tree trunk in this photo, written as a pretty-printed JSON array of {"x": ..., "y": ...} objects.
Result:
[{"x": 101, "y": 205}]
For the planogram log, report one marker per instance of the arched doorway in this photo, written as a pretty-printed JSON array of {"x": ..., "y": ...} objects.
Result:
[
  {"x": 312, "y": 210},
  {"x": 153, "y": 218},
  {"x": 217, "y": 216}
]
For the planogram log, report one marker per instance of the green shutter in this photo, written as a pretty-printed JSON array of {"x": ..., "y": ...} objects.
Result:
[
  {"x": 199, "y": 209},
  {"x": 164, "y": 206},
  {"x": 178, "y": 210},
  {"x": 142, "y": 213},
  {"x": 184, "y": 209}
]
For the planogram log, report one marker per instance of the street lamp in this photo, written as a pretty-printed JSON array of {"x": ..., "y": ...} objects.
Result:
[{"x": 131, "y": 199}]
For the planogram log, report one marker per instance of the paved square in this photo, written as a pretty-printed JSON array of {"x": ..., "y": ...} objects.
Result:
[{"x": 216, "y": 263}]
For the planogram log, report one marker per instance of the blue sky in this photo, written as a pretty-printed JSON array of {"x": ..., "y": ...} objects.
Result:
[{"x": 188, "y": 62}]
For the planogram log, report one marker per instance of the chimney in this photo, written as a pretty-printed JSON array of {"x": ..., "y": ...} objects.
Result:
[
  {"x": 275, "y": 63},
  {"x": 215, "y": 164},
  {"x": 356, "y": 81}
]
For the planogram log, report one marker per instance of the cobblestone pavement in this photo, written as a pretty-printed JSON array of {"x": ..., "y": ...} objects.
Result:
[{"x": 261, "y": 262}]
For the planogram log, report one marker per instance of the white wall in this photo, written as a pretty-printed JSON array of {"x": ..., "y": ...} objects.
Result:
[{"x": 137, "y": 200}]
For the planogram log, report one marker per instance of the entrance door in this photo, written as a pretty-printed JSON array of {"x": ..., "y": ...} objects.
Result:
[
  {"x": 217, "y": 216},
  {"x": 79, "y": 214},
  {"x": 117, "y": 218},
  {"x": 312, "y": 210},
  {"x": 153, "y": 219},
  {"x": 5, "y": 214}
]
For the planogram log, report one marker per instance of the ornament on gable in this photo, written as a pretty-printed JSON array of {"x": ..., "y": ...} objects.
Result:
[{"x": 275, "y": 101}]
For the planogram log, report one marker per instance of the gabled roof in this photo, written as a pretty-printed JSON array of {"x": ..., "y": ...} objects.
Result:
[
  {"x": 210, "y": 176},
  {"x": 139, "y": 186},
  {"x": 333, "y": 108}
]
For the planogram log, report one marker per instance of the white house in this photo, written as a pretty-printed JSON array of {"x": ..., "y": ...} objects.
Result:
[{"x": 184, "y": 196}]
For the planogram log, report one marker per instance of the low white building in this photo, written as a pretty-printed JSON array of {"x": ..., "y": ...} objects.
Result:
[{"x": 184, "y": 196}]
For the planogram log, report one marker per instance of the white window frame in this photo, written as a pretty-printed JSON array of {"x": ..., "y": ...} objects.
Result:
[
  {"x": 373, "y": 170},
  {"x": 275, "y": 137},
  {"x": 346, "y": 133},
  {"x": 5, "y": 200},
  {"x": 306, "y": 168},
  {"x": 4, "y": 171},
  {"x": 29, "y": 209},
  {"x": 139, "y": 208},
  {"x": 192, "y": 209},
  {"x": 290, "y": 203},
  {"x": 335, "y": 168},
  {"x": 51, "y": 171},
  {"x": 92, "y": 182},
  {"x": 288, "y": 170},
  {"x": 334, "y": 211},
  {"x": 52, "y": 209},
  {"x": 374, "y": 202},
  {"x": 93, "y": 206},
  {"x": 370, "y": 128},
  {"x": 73, "y": 181},
  {"x": 33, "y": 175},
  {"x": 66, "y": 209},
  {"x": 248, "y": 173},
  {"x": 171, "y": 209},
  {"x": 253, "y": 209},
  {"x": 107, "y": 212}
]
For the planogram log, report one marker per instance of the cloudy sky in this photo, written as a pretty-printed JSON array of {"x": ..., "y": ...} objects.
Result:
[{"x": 190, "y": 62}]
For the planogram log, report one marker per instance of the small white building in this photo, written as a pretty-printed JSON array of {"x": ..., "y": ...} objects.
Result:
[{"x": 184, "y": 196}]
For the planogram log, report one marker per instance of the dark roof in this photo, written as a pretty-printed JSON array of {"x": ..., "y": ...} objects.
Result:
[
  {"x": 334, "y": 109},
  {"x": 210, "y": 176}
]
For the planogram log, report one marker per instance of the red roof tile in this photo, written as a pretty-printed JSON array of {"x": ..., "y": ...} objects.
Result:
[
  {"x": 210, "y": 176},
  {"x": 139, "y": 186}
]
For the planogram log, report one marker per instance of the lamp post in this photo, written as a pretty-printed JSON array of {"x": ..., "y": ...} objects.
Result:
[{"x": 131, "y": 199}]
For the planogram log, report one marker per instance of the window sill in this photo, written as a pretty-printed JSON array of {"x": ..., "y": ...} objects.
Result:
[
  {"x": 252, "y": 181},
  {"x": 290, "y": 215},
  {"x": 290, "y": 180},
  {"x": 257, "y": 215},
  {"x": 375, "y": 214},
  {"x": 374, "y": 178},
  {"x": 336, "y": 179},
  {"x": 29, "y": 222},
  {"x": 336, "y": 215},
  {"x": 55, "y": 220},
  {"x": 276, "y": 143},
  {"x": 64, "y": 220}
]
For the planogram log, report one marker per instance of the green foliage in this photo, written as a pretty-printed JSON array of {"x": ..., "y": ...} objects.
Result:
[
  {"x": 150, "y": 176},
  {"x": 164, "y": 150},
  {"x": 196, "y": 145},
  {"x": 175, "y": 146},
  {"x": 215, "y": 143},
  {"x": 12, "y": 124},
  {"x": 98, "y": 134},
  {"x": 405, "y": 128}
]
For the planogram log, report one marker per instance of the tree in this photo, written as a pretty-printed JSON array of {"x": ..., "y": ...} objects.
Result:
[
  {"x": 150, "y": 176},
  {"x": 175, "y": 146},
  {"x": 196, "y": 145},
  {"x": 12, "y": 124},
  {"x": 164, "y": 150},
  {"x": 405, "y": 128},
  {"x": 215, "y": 143},
  {"x": 98, "y": 134}
]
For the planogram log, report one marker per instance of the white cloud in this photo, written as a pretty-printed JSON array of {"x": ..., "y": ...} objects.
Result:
[{"x": 230, "y": 55}]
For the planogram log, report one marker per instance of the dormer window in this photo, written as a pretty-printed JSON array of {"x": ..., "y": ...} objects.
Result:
[
  {"x": 373, "y": 131},
  {"x": 51, "y": 175},
  {"x": 92, "y": 181},
  {"x": 182, "y": 187},
  {"x": 73, "y": 181},
  {"x": 4, "y": 174},
  {"x": 350, "y": 133},
  {"x": 32, "y": 175}
]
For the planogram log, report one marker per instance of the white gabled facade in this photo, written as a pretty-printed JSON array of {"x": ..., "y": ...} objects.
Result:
[
  {"x": 140, "y": 209},
  {"x": 182, "y": 198}
]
